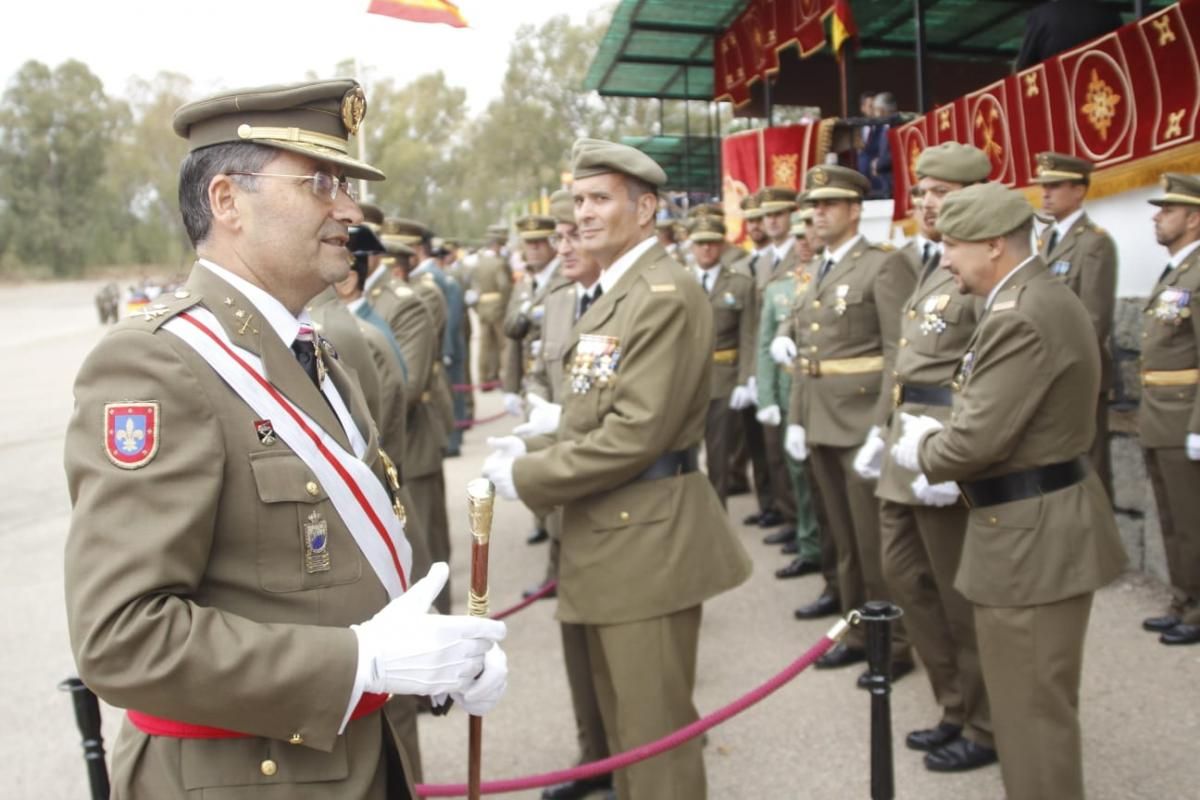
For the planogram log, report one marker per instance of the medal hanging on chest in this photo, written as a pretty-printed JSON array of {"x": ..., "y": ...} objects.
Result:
[
  {"x": 839, "y": 305},
  {"x": 932, "y": 320},
  {"x": 1172, "y": 307},
  {"x": 596, "y": 361}
]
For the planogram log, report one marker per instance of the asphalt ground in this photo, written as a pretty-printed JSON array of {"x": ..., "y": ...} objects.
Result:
[{"x": 1140, "y": 708}]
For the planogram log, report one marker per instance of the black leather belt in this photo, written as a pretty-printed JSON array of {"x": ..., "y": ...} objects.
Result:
[
  {"x": 926, "y": 395},
  {"x": 1025, "y": 484},
  {"x": 676, "y": 462}
]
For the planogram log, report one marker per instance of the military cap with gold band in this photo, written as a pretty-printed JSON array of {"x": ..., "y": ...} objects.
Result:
[
  {"x": 773, "y": 199},
  {"x": 562, "y": 207},
  {"x": 1178, "y": 189},
  {"x": 665, "y": 223},
  {"x": 534, "y": 227},
  {"x": 1058, "y": 167},
  {"x": 590, "y": 157},
  {"x": 834, "y": 182},
  {"x": 398, "y": 234},
  {"x": 752, "y": 207},
  {"x": 707, "y": 210},
  {"x": 707, "y": 228},
  {"x": 314, "y": 119},
  {"x": 983, "y": 211},
  {"x": 954, "y": 162},
  {"x": 497, "y": 231}
]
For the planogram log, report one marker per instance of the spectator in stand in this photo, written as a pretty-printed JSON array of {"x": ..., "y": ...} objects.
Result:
[
  {"x": 866, "y": 109},
  {"x": 1060, "y": 25},
  {"x": 879, "y": 153}
]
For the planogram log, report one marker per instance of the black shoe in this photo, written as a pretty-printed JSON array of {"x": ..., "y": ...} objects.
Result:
[
  {"x": 824, "y": 606},
  {"x": 791, "y": 548},
  {"x": 933, "y": 738},
  {"x": 1160, "y": 624},
  {"x": 841, "y": 656},
  {"x": 781, "y": 536},
  {"x": 538, "y": 536},
  {"x": 1181, "y": 634},
  {"x": 798, "y": 567},
  {"x": 769, "y": 519},
  {"x": 751, "y": 519},
  {"x": 959, "y": 755},
  {"x": 528, "y": 593},
  {"x": 572, "y": 790},
  {"x": 899, "y": 670}
]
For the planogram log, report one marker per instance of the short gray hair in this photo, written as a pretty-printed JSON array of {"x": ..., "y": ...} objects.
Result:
[{"x": 201, "y": 166}]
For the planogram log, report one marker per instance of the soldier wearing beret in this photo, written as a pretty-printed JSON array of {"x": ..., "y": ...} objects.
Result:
[
  {"x": 488, "y": 294},
  {"x": 244, "y": 593},
  {"x": 645, "y": 540},
  {"x": 1169, "y": 416},
  {"x": 1085, "y": 258},
  {"x": 1041, "y": 537}
]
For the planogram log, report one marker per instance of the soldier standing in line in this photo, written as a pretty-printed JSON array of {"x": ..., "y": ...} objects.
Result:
[
  {"x": 666, "y": 237},
  {"x": 491, "y": 286},
  {"x": 460, "y": 373},
  {"x": 1041, "y": 537}
]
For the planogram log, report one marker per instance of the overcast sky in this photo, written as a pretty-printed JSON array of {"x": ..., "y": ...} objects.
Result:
[{"x": 222, "y": 44}]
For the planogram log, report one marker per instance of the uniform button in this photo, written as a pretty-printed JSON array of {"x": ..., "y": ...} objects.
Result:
[
  {"x": 296, "y": 739},
  {"x": 903, "y": 342},
  {"x": 182, "y": 293},
  {"x": 624, "y": 516},
  {"x": 993, "y": 520},
  {"x": 862, "y": 390},
  {"x": 269, "y": 767},
  {"x": 816, "y": 326},
  {"x": 816, "y": 303},
  {"x": 812, "y": 349},
  {"x": 912, "y": 314},
  {"x": 312, "y": 488}
]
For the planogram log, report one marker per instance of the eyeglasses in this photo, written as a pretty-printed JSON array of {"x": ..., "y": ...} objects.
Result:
[
  {"x": 323, "y": 183},
  {"x": 557, "y": 239}
]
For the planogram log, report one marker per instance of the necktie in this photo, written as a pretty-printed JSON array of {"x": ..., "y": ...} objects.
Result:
[
  {"x": 1053, "y": 240},
  {"x": 753, "y": 263},
  {"x": 704, "y": 282},
  {"x": 588, "y": 299},
  {"x": 306, "y": 353},
  {"x": 925, "y": 253},
  {"x": 1166, "y": 271},
  {"x": 828, "y": 265},
  {"x": 933, "y": 257}
]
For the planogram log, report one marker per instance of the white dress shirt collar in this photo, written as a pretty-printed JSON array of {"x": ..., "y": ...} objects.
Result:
[
  {"x": 1183, "y": 253},
  {"x": 355, "y": 304},
  {"x": 781, "y": 250},
  {"x": 712, "y": 273},
  {"x": 277, "y": 316},
  {"x": 1065, "y": 225},
  {"x": 610, "y": 276},
  {"x": 541, "y": 278},
  {"x": 840, "y": 253},
  {"x": 996, "y": 289}
]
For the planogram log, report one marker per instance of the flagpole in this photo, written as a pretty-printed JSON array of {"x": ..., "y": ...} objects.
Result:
[{"x": 361, "y": 139}]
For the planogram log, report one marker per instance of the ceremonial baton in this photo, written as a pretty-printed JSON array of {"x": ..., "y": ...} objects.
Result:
[{"x": 481, "y": 496}]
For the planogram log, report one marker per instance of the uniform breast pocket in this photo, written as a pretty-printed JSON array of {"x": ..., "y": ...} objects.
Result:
[
  {"x": 939, "y": 330},
  {"x": 238, "y": 764},
  {"x": 302, "y": 543}
]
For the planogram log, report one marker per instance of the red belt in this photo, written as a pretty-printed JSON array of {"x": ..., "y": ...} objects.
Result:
[{"x": 159, "y": 726}]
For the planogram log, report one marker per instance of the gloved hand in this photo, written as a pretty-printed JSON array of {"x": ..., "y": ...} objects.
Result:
[
  {"x": 752, "y": 385},
  {"x": 470, "y": 297},
  {"x": 510, "y": 446},
  {"x": 535, "y": 348},
  {"x": 769, "y": 416},
  {"x": 794, "y": 442},
  {"x": 904, "y": 451},
  {"x": 485, "y": 691},
  {"x": 937, "y": 494},
  {"x": 741, "y": 398},
  {"x": 543, "y": 417},
  {"x": 1193, "y": 446},
  {"x": 498, "y": 467},
  {"x": 783, "y": 350},
  {"x": 868, "y": 461},
  {"x": 512, "y": 405},
  {"x": 410, "y": 651},
  {"x": 447, "y": 360}
]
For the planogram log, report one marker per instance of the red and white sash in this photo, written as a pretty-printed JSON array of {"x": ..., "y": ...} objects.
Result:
[{"x": 356, "y": 493}]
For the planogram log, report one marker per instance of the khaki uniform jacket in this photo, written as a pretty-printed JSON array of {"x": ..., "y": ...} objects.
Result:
[
  {"x": 187, "y": 593},
  {"x": 765, "y": 270},
  {"x": 547, "y": 378},
  {"x": 633, "y": 549},
  {"x": 1086, "y": 260},
  {"x": 735, "y": 312},
  {"x": 1171, "y": 341},
  {"x": 334, "y": 321},
  {"x": 1029, "y": 381},
  {"x": 853, "y": 313},
  {"x": 523, "y": 327},
  {"x": 491, "y": 280},
  {"x": 442, "y": 400},
  {"x": 393, "y": 416},
  {"x": 936, "y": 324}
]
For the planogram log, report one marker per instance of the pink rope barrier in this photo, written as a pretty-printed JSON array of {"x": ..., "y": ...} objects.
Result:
[
  {"x": 479, "y": 387},
  {"x": 464, "y": 424},
  {"x": 545, "y": 589}
]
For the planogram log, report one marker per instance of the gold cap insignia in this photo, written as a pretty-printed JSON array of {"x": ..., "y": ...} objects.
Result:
[
  {"x": 354, "y": 109},
  {"x": 819, "y": 178}
]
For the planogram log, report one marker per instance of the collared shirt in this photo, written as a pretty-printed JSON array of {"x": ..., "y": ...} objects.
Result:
[
  {"x": 610, "y": 276},
  {"x": 996, "y": 289},
  {"x": 837, "y": 255},
  {"x": 1065, "y": 225},
  {"x": 355, "y": 304},
  {"x": 923, "y": 243},
  {"x": 540, "y": 278},
  {"x": 708, "y": 277},
  {"x": 582, "y": 291},
  {"x": 277, "y": 316},
  {"x": 375, "y": 277},
  {"x": 1183, "y": 253},
  {"x": 781, "y": 250}
]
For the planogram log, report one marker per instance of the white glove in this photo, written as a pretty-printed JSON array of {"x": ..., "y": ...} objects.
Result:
[
  {"x": 794, "y": 443},
  {"x": 741, "y": 398},
  {"x": 937, "y": 494},
  {"x": 470, "y": 297},
  {"x": 513, "y": 405},
  {"x": 485, "y": 691},
  {"x": 769, "y": 416},
  {"x": 543, "y": 417},
  {"x": 410, "y": 651},
  {"x": 904, "y": 452},
  {"x": 498, "y": 467},
  {"x": 868, "y": 462},
  {"x": 535, "y": 348},
  {"x": 1193, "y": 446},
  {"x": 752, "y": 385},
  {"x": 510, "y": 446},
  {"x": 783, "y": 350}
]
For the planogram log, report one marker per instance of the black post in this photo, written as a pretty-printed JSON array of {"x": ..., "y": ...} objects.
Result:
[
  {"x": 878, "y": 616},
  {"x": 768, "y": 108},
  {"x": 87, "y": 717},
  {"x": 922, "y": 73},
  {"x": 1139, "y": 8},
  {"x": 687, "y": 133}
]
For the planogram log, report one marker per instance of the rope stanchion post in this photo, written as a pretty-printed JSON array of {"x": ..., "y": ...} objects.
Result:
[
  {"x": 87, "y": 717},
  {"x": 878, "y": 616},
  {"x": 481, "y": 496}
]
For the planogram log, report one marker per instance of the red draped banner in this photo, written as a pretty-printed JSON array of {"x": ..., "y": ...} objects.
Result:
[
  {"x": 749, "y": 50},
  {"x": 1127, "y": 101}
]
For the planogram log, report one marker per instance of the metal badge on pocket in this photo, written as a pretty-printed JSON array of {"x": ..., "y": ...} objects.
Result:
[{"x": 316, "y": 543}]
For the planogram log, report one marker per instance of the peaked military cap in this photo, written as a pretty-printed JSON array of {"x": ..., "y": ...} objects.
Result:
[
  {"x": 497, "y": 231},
  {"x": 707, "y": 228},
  {"x": 562, "y": 207},
  {"x": 664, "y": 223},
  {"x": 1057, "y": 167},
  {"x": 773, "y": 199},
  {"x": 800, "y": 218},
  {"x": 315, "y": 119},
  {"x": 596, "y": 157},
  {"x": 1179, "y": 189},
  {"x": 398, "y": 234},
  {"x": 752, "y": 207},
  {"x": 535, "y": 227},
  {"x": 954, "y": 162},
  {"x": 834, "y": 182},
  {"x": 707, "y": 210},
  {"x": 983, "y": 211}
]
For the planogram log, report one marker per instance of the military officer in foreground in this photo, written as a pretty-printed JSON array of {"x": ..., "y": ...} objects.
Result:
[
  {"x": 243, "y": 593},
  {"x": 1041, "y": 537},
  {"x": 1079, "y": 252},
  {"x": 1169, "y": 416},
  {"x": 645, "y": 540}
]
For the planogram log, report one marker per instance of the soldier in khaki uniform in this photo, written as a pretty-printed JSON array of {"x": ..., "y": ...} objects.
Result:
[
  {"x": 665, "y": 229},
  {"x": 491, "y": 286},
  {"x": 1085, "y": 258},
  {"x": 224, "y": 579},
  {"x": 922, "y": 531},
  {"x": 637, "y": 515},
  {"x": 842, "y": 384},
  {"x": 1041, "y": 536},
  {"x": 1169, "y": 417}
]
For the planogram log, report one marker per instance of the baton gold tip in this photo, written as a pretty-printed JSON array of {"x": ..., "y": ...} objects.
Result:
[{"x": 481, "y": 489}]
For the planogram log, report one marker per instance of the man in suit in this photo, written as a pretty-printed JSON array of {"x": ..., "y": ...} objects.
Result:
[
  {"x": 1041, "y": 537},
  {"x": 491, "y": 286},
  {"x": 244, "y": 593},
  {"x": 645, "y": 540},
  {"x": 1169, "y": 416},
  {"x": 1059, "y": 25},
  {"x": 1085, "y": 258}
]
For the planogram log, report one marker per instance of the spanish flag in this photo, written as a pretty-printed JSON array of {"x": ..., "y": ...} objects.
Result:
[
  {"x": 420, "y": 11},
  {"x": 843, "y": 28}
]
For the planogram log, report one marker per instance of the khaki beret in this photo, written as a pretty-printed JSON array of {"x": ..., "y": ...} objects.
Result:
[
  {"x": 983, "y": 211},
  {"x": 535, "y": 227},
  {"x": 315, "y": 119},
  {"x": 596, "y": 157},
  {"x": 562, "y": 207},
  {"x": 954, "y": 162},
  {"x": 752, "y": 207},
  {"x": 1179, "y": 189},
  {"x": 834, "y": 182},
  {"x": 707, "y": 229},
  {"x": 773, "y": 199},
  {"x": 1057, "y": 167}
]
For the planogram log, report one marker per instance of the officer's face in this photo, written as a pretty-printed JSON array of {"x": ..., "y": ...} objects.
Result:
[
  {"x": 707, "y": 254},
  {"x": 835, "y": 221},
  {"x": 928, "y": 195},
  {"x": 1175, "y": 225},
  {"x": 756, "y": 232},
  {"x": 610, "y": 221},
  {"x": 1062, "y": 198},
  {"x": 538, "y": 254},
  {"x": 572, "y": 262},
  {"x": 778, "y": 225},
  {"x": 971, "y": 264}
]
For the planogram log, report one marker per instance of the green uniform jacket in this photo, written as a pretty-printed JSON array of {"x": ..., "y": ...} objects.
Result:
[
  {"x": 636, "y": 549},
  {"x": 490, "y": 279},
  {"x": 548, "y": 374},
  {"x": 1029, "y": 381},
  {"x": 734, "y": 310},
  {"x": 1171, "y": 341},
  {"x": 774, "y": 382}
]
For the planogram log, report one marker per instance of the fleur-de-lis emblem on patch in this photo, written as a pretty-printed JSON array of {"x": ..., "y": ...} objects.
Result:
[{"x": 130, "y": 438}]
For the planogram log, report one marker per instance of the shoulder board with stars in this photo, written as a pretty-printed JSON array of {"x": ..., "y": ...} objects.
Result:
[
  {"x": 153, "y": 316},
  {"x": 1007, "y": 299},
  {"x": 886, "y": 247}
]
